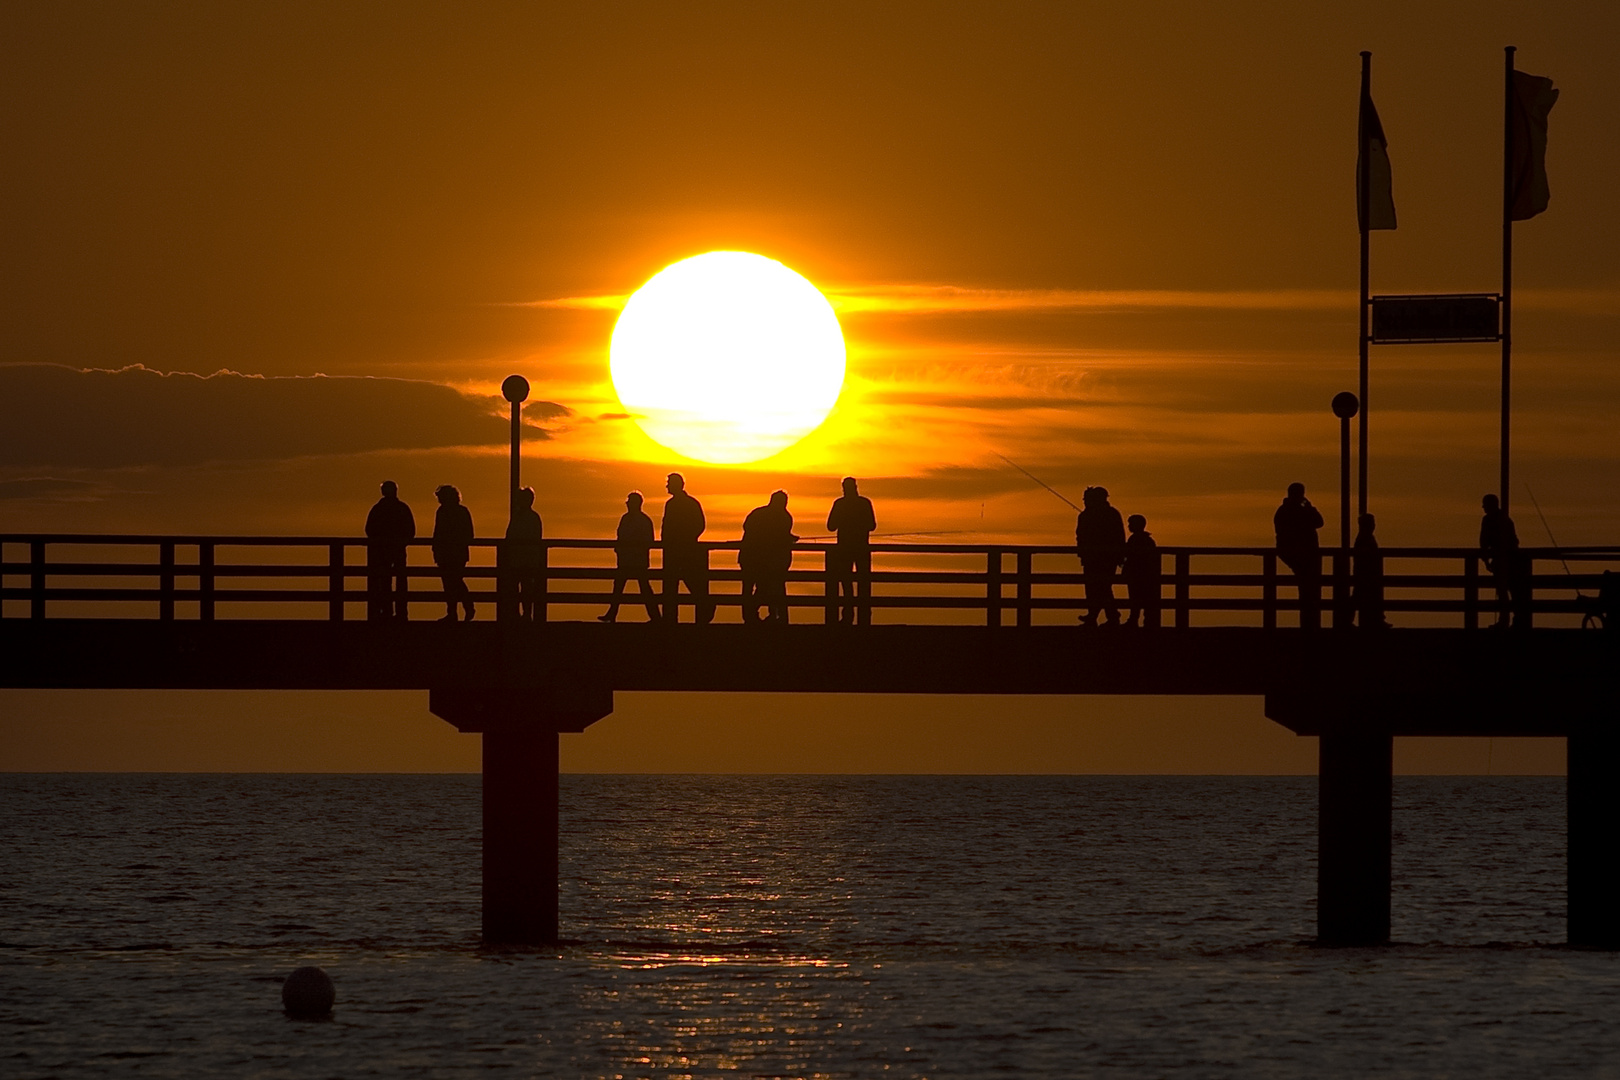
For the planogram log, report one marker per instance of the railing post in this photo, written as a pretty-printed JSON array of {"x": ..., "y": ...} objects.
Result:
[
  {"x": 1527, "y": 606},
  {"x": 1183, "y": 590},
  {"x": 1268, "y": 592},
  {"x": 1026, "y": 562},
  {"x": 543, "y": 584},
  {"x": 829, "y": 588},
  {"x": 992, "y": 588},
  {"x": 205, "y": 580},
  {"x": 166, "y": 581},
  {"x": 335, "y": 582},
  {"x": 1471, "y": 593},
  {"x": 36, "y": 579},
  {"x": 507, "y": 607},
  {"x": 1343, "y": 614}
]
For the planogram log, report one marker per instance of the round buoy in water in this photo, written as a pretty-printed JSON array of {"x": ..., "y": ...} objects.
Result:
[{"x": 308, "y": 992}]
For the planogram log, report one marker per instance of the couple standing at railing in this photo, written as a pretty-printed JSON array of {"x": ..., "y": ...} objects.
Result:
[
  {"x": 1300, "y": 549},
  {"x": 390, "y": 526}
]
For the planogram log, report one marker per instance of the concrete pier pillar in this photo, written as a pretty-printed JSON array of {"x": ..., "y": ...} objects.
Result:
[
  {"x": 520, "y": 729},
  {"x": 1594, "y": 839},
  {"x": 1353, "y": 860},
  {"x": 520, "y": 837}
]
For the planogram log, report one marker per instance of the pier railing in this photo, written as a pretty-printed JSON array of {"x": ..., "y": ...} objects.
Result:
[{"x": 265, "y": 577}]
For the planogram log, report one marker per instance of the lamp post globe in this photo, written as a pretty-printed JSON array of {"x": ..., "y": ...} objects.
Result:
[
  {"x": 515, "y": 389},
  {"x": 1345, "y": 405}
]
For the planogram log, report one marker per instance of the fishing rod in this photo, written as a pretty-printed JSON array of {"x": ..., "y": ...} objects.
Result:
[
  {"x": 1039, "y": 481},
  {"x": 890, "y": 536},
  {"x": 1547, "y": 527}
]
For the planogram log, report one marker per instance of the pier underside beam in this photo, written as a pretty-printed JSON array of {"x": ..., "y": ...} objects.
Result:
[
  {"x": 520, "y": 731},
  {"x": 1594, "y": 838},
  {"x": 1354, "y": 828}
]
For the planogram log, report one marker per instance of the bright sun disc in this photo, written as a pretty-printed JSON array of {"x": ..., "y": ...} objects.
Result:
[{"x": 728, "y": 357}]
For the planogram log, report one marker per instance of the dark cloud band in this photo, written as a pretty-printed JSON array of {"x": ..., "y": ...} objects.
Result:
[{"x": 61, "y": 416}]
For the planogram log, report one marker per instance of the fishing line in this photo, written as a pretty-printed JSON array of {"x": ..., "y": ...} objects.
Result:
[
  {"x": 1038, "y": 480},
  {"x": 1547, "y": 527}
]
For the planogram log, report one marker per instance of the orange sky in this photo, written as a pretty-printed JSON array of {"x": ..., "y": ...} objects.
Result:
[{"x": 1114, "y": 244}]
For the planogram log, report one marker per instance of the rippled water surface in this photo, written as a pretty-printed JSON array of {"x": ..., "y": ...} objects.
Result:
[{"x": 786, "y": 926}]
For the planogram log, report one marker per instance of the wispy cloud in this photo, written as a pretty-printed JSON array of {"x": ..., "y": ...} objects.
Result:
[
  {"x": 931, "y": 299},
  {"x": 943, "y": 299}
]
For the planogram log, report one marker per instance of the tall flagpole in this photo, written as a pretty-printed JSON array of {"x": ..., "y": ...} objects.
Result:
[
  {"x": 1507, "y": 271},
  {"x": 1363, "y": 203}
]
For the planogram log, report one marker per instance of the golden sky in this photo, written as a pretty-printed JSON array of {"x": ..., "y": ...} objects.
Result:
[{"x": 1115, "y": 243}]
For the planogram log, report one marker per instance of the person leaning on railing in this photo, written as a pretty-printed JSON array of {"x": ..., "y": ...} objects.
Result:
[
  {"x": 849, "y": 560},
  {"x": 765, "y": 555},
  {"x": 389, "y": 526},
  {"x": 524, "y": 554},
  {"x": 1299, "y": 549},
  {"x": 1369, "y": 576},
  {"x": 1499, "y": 549}
]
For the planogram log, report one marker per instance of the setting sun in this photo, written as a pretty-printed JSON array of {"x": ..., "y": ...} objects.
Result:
[{"x": 728, "y": 357}]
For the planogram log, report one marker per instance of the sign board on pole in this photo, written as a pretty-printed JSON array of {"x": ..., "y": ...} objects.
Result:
[{"x": 1402, "y": 320}]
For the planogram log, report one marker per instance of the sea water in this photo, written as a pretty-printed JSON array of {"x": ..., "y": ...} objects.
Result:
[{"x": 786, "y": 927}]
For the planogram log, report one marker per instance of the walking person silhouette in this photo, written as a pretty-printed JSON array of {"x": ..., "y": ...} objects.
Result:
[
  {"x": 525, "y": 555},
  {"x": 765, "y": 555},
  {"x": 1099, "y": 539},
  {"x": 684, "y": 558},
  {"x": 389, "y": 526},
  {"x": 632, "y": 548},
  {"x": 1142, "y": 574},
  {"x": 1499, "y": 548},
  {"x": 849, "y": 560},
  {"x": 1299, "y": 548},
  {"x": 452, "y": 539}
]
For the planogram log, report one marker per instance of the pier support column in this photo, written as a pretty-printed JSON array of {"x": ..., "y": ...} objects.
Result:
[
  {"x": 1353, "y": 860},
  {"x": 1594, "y": 839},
  {"x": 520, "y": 729},
  {"x": 520, "y": 837}
]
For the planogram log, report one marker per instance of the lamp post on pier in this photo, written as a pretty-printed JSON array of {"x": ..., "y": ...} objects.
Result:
[
  {"x": 516, "y": 390},
  {"x": 1345, "y": 406}
]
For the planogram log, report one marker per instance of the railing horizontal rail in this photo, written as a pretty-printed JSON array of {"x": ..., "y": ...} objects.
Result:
[{"x": 57, "y": 574}]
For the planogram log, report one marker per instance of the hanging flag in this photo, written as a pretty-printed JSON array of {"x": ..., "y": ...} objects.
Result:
[
  {"x": 1531, "y": 100},
  {"x": 1378, "y": 203}
]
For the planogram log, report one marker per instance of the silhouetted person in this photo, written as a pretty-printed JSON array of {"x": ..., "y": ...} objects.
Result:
[
  {"x": 1369, "y": 575},
  {"x": 524, "y": 553},
  {"x": 1099, "y": 539},
  {"x": 1499, "y": 547},
  {"x": 1142, "y": 573},
  {"x": 1296, "y": 522},
  {"x": 632, "y": 547},
  {"x": 765, "y": 554},
  {"x": 849, "y": 560},
  {"x": 684, "y": 559},
  {"x": 388, "y": 527},
  {"x": 452, "y": 537}
]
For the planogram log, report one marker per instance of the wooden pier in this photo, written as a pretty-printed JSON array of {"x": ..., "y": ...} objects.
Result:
[{"x": 261, "y": 613}]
